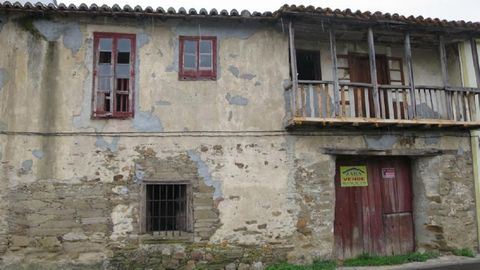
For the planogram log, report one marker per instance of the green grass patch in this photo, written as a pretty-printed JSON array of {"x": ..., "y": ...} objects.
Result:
[
  {"x": 367, "y": 260},
  {"x": 465, "y": 252},
  {"x": 316, "y": 265}
]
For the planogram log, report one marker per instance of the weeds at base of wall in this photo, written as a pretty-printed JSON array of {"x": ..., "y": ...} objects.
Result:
[
  {"x": 316, "y": 265},
  {"x": 465, "y": 252},
  {"x": 368, "y": 260}
]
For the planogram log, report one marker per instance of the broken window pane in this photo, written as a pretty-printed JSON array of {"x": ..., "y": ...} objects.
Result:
[
  {"x": 190, "y": 46},
  {"x": 189, "y": 61},
  {"x": 105, "y": 44},
  {"x": 205, "y": 46},
  {"x": 105, "y": 70},
  {"x": 123, "y": 57},
  {"x": 105, "y": 58},
  {"x": 104, "y": 83},
  {"x": 123, "y": 71},
  {"x": 206, "y": 61},
  {"x": 123, "y": 45}
]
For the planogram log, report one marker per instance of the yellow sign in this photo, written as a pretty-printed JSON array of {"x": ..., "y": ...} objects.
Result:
[{"x": 353, "y": 176}]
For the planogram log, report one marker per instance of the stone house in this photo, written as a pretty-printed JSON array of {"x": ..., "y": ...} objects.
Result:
[{"x": 169, "y": 139}]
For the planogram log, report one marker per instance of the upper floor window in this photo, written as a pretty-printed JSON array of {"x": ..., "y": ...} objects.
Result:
[
  {"x": 113, "y": 83},
  {"x": 198, "y": 58}
]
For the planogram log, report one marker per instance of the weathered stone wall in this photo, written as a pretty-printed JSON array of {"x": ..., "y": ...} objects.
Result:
[{"x": 71, "y": 187}]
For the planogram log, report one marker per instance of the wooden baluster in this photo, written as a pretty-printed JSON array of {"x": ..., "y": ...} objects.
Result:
[
  {"x": 343, "y": 101},
  {"x": 367, "y": 102},
  {"x": 327, "y": 101},
  {"x": 297, "y": 101},
  {"x": 351, "y": 101},
  {"x": 435, "y": 107},
  {"x": 304, "y": 101},
  {"x": 428, "y": 100},
  {"x": 467, "y": 106},
  {"x": 318, "y": 88},
  {"x": 359, "y": 101},
  {"x": 390, "y": 104},
  {"x": 399, "y": 116},
  {"x": 438, "y": 101},
  {"x": 312, "y": 101},
  {"x": 405, "y": 104},
  {"x": 382, "y": 102}
]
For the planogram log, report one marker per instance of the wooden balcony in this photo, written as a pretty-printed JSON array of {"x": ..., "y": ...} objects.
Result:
[{"x": 315, "y": 102}]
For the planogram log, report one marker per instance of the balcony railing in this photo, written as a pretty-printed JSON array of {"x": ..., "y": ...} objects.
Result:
[{"x": 316, "y": 102}]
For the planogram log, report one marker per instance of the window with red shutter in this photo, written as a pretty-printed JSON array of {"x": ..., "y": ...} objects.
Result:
[
  {"x": 198, "y": 58},
  {"x": 113, "y": 82}
]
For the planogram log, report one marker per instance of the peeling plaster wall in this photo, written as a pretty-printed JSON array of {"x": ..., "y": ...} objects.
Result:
[{"x": 261, "y": 194}]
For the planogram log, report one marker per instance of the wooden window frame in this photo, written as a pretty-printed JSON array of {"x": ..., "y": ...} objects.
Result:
[
  {"x": 113, "y": 113},
  {"x": 197, "y": 73}
]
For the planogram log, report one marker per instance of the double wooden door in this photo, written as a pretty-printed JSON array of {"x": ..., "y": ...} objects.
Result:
[{"x": 376, "y": 218}]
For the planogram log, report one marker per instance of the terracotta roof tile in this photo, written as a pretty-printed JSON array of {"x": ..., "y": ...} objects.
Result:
[{"x": 285, "y": 10}]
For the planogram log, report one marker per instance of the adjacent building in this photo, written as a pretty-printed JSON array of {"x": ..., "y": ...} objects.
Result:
[{"x": 176, "y": 139}]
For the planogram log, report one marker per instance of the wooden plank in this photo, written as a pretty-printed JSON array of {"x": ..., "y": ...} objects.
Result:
[
  {"x": 373, "y": 72},
  {"x": 467, "y": 107},
  {"x": 408, "y": 59},
  {"x": 405, "y": 104},
  {"x": 382, "y": 103},
  {"x": 359, "y": 101},
  {"x": 318, "y": 88},
  {"x": 367, "y": 102},
  {"x": 327, "y": 101},
  {"x": 312, "y": 102},
  {"x": 428, "y": 99},
  {"x": 390, "y": 104},
  {"x": 342, "y": 89},
  {"x": 399, "y": 115},
  {"x": 304, "y": 101},
  {"x": 333, "y": 52},
  {"x": 351, "y": 100}
]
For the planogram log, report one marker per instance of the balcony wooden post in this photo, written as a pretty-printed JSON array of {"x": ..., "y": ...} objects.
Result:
[
  {"x": 411, "y": 79},
  {"x": 293, "y": 66},
  {"x": 373, "y": 72},
  {"x": 333, "y": 52},
  {"x": 443, "y": 62},
  {"x": 473, "y": 45}
]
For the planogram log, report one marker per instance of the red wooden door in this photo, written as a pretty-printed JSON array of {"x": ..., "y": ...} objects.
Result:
[{"x": 377, "y": 218}]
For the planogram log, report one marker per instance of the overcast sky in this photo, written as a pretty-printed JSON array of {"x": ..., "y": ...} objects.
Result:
[{"x": 468, "y": 10}]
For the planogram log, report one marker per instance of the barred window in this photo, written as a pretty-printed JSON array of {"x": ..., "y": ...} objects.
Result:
[{"x": 167, "y": 208}]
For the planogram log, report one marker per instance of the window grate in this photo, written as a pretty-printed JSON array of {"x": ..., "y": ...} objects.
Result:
[{"x": 166, "y": 208}]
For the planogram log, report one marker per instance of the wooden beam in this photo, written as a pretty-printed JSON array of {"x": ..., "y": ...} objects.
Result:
[
  {"x": 389, "y": 152},
  {"x": 333, "y": 52},
  {"x": 473, "y": 45},
  {"x": 443, "y": 62},
  {"x": 293, "y": 66},
  {"x": 408, "y": 59},
  {"x": 373, "y": 72}
]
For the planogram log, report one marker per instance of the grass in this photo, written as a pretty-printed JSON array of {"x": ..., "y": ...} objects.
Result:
[
  {"x": 316, "y": 265},
  {"x": 367, "y": 260},
  {"x": 465, "y": 252}
]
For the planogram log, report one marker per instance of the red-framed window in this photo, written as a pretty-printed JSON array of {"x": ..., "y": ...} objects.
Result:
[
  {"x": 198, "y": 58},
  {"x": 114, "y": 76}
]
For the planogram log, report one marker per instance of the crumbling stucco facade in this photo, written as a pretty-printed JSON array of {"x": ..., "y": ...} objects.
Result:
[{"x": 71, "y": 189}]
